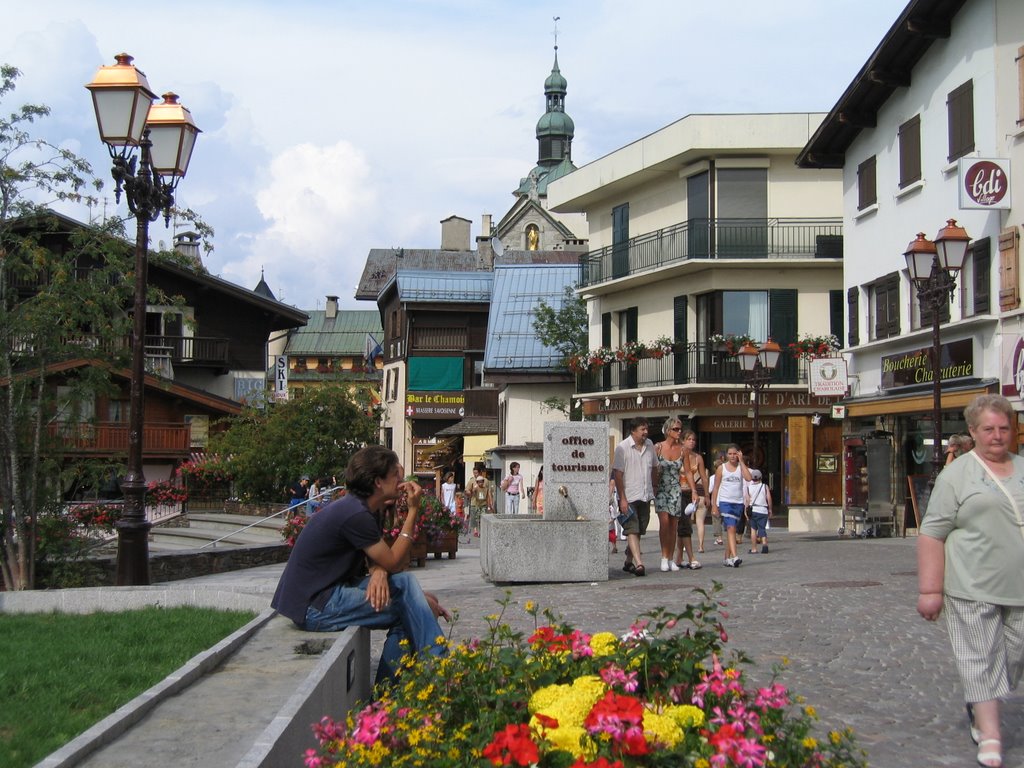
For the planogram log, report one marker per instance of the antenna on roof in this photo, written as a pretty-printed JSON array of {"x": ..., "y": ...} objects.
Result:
[{"x": 497, "y": 246}]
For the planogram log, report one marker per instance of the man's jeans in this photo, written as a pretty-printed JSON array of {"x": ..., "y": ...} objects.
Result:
[{"x": 407, "y": 616}]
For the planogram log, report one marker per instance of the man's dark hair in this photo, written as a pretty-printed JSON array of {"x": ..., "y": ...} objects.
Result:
[
  {"x": 368, "y": 465},
  {"x": 636, "y": 422}
]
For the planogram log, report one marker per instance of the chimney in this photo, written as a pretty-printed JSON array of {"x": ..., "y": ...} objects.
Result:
[
  {"x": 187, "y": 244},
  {"x": 331, "y": 309},
  {"x": 484, "y": 244},
  {"x": 455, "y": 234}
]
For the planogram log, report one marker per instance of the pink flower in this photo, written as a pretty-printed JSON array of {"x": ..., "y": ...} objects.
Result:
[
  {"x": 614, "y": 676},
  {"x": 370, "y": 723},
  {"x": 580, "y": 644}
]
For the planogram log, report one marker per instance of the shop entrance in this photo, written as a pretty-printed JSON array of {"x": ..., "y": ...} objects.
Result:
[{"x": 768, "y": 458}]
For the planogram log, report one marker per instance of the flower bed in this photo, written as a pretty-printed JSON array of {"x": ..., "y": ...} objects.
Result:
[{"x": 561, "y": 698}]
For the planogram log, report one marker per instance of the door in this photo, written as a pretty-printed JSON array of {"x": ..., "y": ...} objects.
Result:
[{"x": 827, "y": 483}]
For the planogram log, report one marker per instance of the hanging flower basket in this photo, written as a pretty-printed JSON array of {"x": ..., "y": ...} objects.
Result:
[
  {"x": 730, "y": 343},
  {"x": 810, "y": 347}
]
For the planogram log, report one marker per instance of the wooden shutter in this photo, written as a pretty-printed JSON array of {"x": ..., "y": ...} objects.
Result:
[
  {"x": 679, "y": 333},
  {"x": 853, "y": 316},
  {"x": 981, "y": 258},
  {"x": 1009, "y": 282},
  {"x": 835, "y": 314},
  {"x": 910, "y": 151},
  {"x": 960, "y": 113},
  {"x": 867, "y": 194},
  {"x": 782, "y": 325}
]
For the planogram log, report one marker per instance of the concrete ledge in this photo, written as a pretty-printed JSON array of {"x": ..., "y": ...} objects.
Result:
[
  {"x": 815, "y": 519},
  {"x": 341, "y": 679},
  {"x": 92, "y": 599},
  {"x": 521, "y": 548},
  {"x": 117, "y": 723}
]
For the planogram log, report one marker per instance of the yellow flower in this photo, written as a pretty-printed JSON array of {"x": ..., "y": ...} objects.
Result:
[
  {"x": 811, "y": 712},
  {"x": 545, "y": 697},
  {"x": 571, "y": 738},
  {"x": 835, "y": 737},
  {"x": 530, "y": 606},
  {"x": 661, "y": 728},
  {"x": 686, "y": 715},
  {"x": 604, "y": 643},
  {"x": 425, "y": 693},
  {"x": 700, "y": 762},
  {"x": 810, "y": 742}
]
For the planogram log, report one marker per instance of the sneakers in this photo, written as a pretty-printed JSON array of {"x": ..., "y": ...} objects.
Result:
[
  {"x": 673, "y": 566},
  {"x": 664, "y": 564},
  {"x": 764, "y": 549},
  {"x": 695, "y": 565},
  {"x": 732, "y": 562}
]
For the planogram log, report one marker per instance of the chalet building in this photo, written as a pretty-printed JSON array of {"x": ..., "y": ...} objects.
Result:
[
  {"x": 938, "y": 135},
  {"x": 204, "y": 357},
  {"x": 705, "y": 228},
  {"x": 336, "y": 347}
]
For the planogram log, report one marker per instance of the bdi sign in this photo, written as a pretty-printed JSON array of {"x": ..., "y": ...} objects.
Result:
[{"x": 984, "y": 183}]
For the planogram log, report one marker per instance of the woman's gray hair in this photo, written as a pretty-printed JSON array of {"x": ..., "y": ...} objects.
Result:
[
  {"x": 670, "y": 422},
  {"x": 995, "y": 403}
]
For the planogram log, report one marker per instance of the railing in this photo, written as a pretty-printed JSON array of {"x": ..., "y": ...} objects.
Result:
[
  {"x": 715, "y": 239},
  {"x": 190, "y": 350},
  {"x": 112, "y": 437},
  {"x": 696, "y": 363},
  {"x": 323, "y": 495}
]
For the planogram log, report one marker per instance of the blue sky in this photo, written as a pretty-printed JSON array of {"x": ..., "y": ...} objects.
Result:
[{"x": 334, "y": 127}]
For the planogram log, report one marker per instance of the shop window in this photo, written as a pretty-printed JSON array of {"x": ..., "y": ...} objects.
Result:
[
  {"x": 885, "y": 307},
  {"x": 960, "y": 113},
  {"x": 867, "y": 194},
  {"x": 910, "y": 151}
]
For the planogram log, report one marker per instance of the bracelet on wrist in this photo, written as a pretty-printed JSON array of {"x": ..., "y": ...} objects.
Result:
[{"x": 406, "y": 535}]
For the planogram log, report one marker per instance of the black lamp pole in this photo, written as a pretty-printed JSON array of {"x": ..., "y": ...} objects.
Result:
[{"x": 127, "y": 118}]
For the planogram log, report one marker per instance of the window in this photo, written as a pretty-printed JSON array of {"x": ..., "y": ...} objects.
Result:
[
  {"x": 853, "y": 316},
  {"x": 866, "y": 184},
  {"x": 758, "y": 314},
  {"x": 1020, "y": 85},
  {"x": 628, "y": 321},
  {"x": 620, "y": 240},
  {"x": 117, "y": 411},
  {"x": 910, "y": 151},
  {"x": 885, "y": 307},
  {"x": 742, "y": 212},
  {"x": 976, "y": 279},
  {"x": 960, "y": 110}
]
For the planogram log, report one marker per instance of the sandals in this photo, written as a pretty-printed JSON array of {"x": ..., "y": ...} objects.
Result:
[
  {"x": 639, "y": 570},
  {"x": 718, "y": 542},
  {"x": 695, "y": 565},
  {"x": 629, "y": 567},
  {"x": 753, "y": 551},
  {"x": 990, "y": 758},
  {"x": 975, "y": 733}
]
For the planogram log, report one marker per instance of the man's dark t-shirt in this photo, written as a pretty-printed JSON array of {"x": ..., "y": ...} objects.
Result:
[
  {"x": 328, "y": 552},
  {"x": 298, "y": 490}
]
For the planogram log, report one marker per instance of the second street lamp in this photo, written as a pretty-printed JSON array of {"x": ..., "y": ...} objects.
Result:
[
  {"x": 165, "y": 135},
  {"x": 933, "y": 267},
  {"x": 758, "y": 367}
]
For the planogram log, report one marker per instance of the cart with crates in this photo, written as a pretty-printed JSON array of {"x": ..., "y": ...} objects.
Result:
[{"x": 868, "y": 506}]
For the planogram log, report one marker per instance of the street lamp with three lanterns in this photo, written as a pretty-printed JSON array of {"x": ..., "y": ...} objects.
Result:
[
  {"x": 933, "y": 267},
  {"x": 165, "y": 135}
]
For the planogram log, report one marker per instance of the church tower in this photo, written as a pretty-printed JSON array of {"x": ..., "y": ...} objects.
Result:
[{"x": 555, "y": 131}]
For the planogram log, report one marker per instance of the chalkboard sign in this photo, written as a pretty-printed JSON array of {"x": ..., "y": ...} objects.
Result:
[{"x": 919, "y": 493}]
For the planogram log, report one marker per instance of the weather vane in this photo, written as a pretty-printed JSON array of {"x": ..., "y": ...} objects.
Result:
[{"x": 556, "y": 18}]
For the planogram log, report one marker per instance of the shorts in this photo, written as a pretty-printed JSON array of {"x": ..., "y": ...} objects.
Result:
[
  {"x": 759, "y": 523},
  {"x": 638, "y": 521},
  {"x": 731, "y": 513},
  {"x": 988, "y": 646},
  {"x": 685, "y": 529}
]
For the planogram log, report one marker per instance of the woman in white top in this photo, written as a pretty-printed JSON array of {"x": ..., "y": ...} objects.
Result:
[
  {"x": 448, "y": 489},
  {"x": 727, "y": 499}
]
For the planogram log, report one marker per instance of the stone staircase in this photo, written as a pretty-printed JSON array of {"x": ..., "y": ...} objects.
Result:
[{"x": 208, "y": 526}]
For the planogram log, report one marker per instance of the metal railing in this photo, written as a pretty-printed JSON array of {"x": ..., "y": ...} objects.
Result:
[
  {"x": 262, "y": 520},
  {"x": 772, "y": 238},
  {"x": 693, "y": 363}
]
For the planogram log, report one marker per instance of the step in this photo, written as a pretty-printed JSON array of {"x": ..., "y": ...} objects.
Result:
[
  {"x": 222, "y": 520},
  {"x": 195, "y": 537}
]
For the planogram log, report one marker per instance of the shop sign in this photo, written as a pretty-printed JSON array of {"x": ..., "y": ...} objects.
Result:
[
  {"x": 1013, "y": 380},
  {"x": 737, "y": 424},
  {"x": 984, "y": 183},
  {"x": 281, "y": 378},
  {"x": 736, "y": 398},
  {"x": 906, "y": 369},
  {"x": 435, "y": 405},
  {"x": 828, "y": 376}
]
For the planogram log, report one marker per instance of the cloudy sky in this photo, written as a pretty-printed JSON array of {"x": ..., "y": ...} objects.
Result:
[{"x": 336, "y": 126}]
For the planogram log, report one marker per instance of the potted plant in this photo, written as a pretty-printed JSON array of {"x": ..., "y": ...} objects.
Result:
[
  {"x": 810, "y": 347},
  {"x": 631, "y": 352},
  {"x": 663, "y": 694},
  {"x": 730, "y": 343},
  {"x": 660, "y": 347},
  {"x": 440, "y": 528}
]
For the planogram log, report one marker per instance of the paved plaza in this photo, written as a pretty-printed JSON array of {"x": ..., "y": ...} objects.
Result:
[{"x": 842, "y": 611}]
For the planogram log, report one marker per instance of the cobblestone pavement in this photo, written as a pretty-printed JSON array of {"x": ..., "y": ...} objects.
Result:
[{"x": 842, "y": 611}]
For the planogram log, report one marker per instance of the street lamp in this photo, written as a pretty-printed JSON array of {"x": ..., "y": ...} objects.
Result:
[
  {"x": 933, "y": 267},
  {"x": 758, "y": 367},
  {"x": 165, "y": 135}
]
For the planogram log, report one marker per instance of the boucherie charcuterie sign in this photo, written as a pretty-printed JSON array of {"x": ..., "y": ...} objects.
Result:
[{"x": 984, "y": 183}]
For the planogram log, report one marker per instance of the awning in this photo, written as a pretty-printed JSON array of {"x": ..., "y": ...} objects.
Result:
[{"x": 918, "y": 401}]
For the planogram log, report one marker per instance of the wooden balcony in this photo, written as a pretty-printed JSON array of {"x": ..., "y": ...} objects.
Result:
[
  {"x": 111, "y": 438},
  {"x": 208, "y": 351}
]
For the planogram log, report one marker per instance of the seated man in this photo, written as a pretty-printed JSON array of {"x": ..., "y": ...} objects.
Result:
[{"x": 341, "y": 573}]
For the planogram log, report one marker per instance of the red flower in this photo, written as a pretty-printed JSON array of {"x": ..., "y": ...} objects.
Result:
[
  {"x": 512, "y": 746},
  {"x": 546, "y": 637},
  {"x": 622, "y": 718}
]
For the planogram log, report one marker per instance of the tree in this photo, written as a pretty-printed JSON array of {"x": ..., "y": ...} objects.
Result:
[
  {"x": 564, "y": 326},
  {"x": 315, "y": 434},
  {"x": 62, "y": 290}
]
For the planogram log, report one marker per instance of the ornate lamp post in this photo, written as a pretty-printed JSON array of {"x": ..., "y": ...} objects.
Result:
[
  {"x": 165, "y": 135},
  {"x": 933, "y": 267},
  {"x": 758, "y": 367}
]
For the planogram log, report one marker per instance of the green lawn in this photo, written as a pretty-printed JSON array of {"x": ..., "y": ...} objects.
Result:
[{"x": 62, "y": 673}]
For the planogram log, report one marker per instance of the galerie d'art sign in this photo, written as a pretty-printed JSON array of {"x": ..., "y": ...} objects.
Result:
[{"x": 915, "y": 367}]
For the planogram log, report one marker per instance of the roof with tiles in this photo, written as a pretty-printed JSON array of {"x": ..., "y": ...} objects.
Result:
[
  {"x": 382, "y": 263},
  {"x": 512, "y": 344},
  {"x": 342, "y": 335}
]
